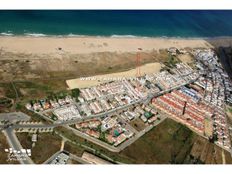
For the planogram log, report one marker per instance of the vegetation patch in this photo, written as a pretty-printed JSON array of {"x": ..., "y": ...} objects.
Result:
[{"x": 138, "y": 124}]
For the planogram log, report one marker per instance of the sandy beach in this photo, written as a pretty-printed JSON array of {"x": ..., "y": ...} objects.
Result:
[
  {"x": 99, "y": 79},
  {"x": 83, "y": 45}
]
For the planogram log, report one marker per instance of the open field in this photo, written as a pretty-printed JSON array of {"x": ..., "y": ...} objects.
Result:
[
  {"x": 5, "y": 103},
  {"x": 45, "y": 147},
  {"x": 72, "y": 65},
  {"x": 204, "y": 152},
  {"x": 138, "y": 124},
  {"x": 3, "y": 145},
  {"x": 3, "y": 155},
  {"x": 38, "y": 89},
  {"x": 25, "y": 91},
  {"x": 31, "y": 89},
  {"x": 171, "y": 142},
  {"x": 99, "y": 79},
  {"x": 167, "y": 143},
  {"x": 74, "y": 149}
]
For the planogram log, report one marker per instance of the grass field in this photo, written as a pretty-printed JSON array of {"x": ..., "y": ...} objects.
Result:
[
  {"x": 171, "y": 142},
  {"x": 5, "y": 104},
  {"x": 167, "y": 143},
  {"x": 27, "y": 90},
  {"x": 7, "y": 90},
  {"x": 31, "y": 90},
  {"x": 74, "y": 149}
]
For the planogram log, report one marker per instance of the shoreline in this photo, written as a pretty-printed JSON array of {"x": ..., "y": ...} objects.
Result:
[{"x": 41, "y": 35}]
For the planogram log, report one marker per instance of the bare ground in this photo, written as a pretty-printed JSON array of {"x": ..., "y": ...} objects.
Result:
[{"x": 18, "y": 66}]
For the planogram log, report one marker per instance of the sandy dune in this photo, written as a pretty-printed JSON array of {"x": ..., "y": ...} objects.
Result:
[{"x": 99, "y": 79}]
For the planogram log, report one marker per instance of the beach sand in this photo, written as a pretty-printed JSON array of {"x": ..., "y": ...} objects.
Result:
[
  {"x": 99, "y": 79},
  {"x": 83, "y": 45}
]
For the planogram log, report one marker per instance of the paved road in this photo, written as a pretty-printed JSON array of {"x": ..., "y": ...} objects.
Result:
[
  {"x": 15, "y": 145},
  {"x": 128, "y": 125},
  {"x": 49, "y": 160},
  {"x": 34, "y": 126}
]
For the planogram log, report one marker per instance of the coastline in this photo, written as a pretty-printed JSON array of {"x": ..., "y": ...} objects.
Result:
[{"x": 70, "y": 35}]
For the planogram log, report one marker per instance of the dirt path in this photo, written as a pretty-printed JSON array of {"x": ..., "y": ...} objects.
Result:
[
  {"x": 16, "y": 95},
  {"x": 62, "y": 145},
  {"x": 223, "y": 157}
]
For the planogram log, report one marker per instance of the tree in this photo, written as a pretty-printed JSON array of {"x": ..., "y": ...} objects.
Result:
[
  {"x": 213, "y": 138},
  {"x": 18, "y": 106},
  {"x": 75, "y": 93}
]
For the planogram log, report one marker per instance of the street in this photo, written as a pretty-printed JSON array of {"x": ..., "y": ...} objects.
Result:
[{"x": 15, "y": 145}]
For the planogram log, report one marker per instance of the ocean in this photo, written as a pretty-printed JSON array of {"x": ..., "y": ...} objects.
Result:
[{"x": 117, "y": 23}]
